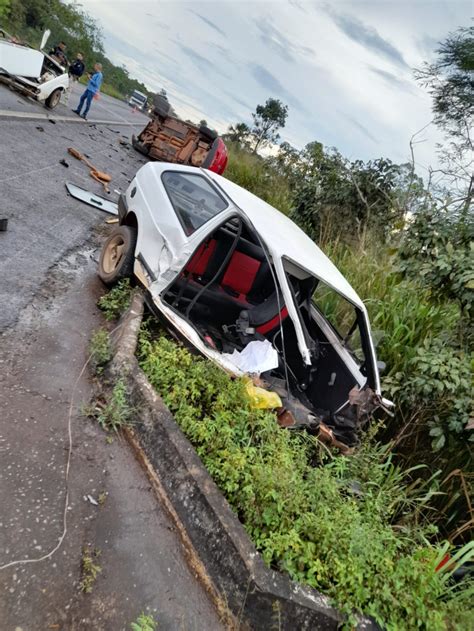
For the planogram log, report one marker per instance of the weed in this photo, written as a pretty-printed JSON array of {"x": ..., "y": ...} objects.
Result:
[
  {"x": 89, "y": 568},
  {"x": 351, "y": 527},
  {"x": 117, "y": 412},
  {"x": 117, "y": 300},
  {"x": 100, "y": 350},
  {"x": 114, "y": 413},
  {"x": 144, "y": 622}
]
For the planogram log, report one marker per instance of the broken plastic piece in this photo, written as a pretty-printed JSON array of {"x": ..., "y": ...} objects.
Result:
[{"x": 92, "y": 200}]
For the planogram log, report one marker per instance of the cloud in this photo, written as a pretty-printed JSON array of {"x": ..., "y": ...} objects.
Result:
[
  {"x": 275, "y": 39},
  {"x": 271, "y": 83},
  {"x": 202, "y": 63},
  {"x": 360, "y": 127},
  {"x": 208, "y": 22},
  {"x": 368, "y": 37},
  {"x": 398, "y": 82}
]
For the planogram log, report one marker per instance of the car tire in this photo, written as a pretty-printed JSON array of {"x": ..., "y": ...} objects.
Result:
[
  {"x": 118, "y": 255},
  {"x": 161, "y": 107},
  {"x": 210, "y": 134},
  {"x": 53, "y": 99},
  {"x": 139, "y": 146}
]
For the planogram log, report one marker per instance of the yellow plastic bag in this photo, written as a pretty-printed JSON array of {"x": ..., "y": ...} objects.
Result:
[{"x": 261, "y": 399}]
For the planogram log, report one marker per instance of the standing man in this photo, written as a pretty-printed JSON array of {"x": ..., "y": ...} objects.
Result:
[
  {"x": 92, "y": 89},
  {"x": 76, "y": 70},
  {"x": 60, "y": 53}
]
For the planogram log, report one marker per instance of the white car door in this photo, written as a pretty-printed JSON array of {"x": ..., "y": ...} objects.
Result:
[{"x": 177, "y": 207}]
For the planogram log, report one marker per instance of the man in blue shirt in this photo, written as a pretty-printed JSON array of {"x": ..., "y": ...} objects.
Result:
[{"x": 92, "y": 89}]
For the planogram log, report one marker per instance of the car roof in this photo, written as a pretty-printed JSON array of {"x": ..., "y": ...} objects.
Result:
[{"x": 285, "y": 239}]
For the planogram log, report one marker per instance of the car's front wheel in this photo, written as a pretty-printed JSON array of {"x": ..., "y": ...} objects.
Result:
[
  {"x": 53, "y": 99},
  {"x": 117, "y": 255}
]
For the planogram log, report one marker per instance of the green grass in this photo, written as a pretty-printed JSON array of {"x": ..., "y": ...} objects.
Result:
[
  {"x": 252, "y": 172},
  {"x": 90, "y": 568},
  {"x": 100, "y": 350},
  {"x": 352, "y": 528}
]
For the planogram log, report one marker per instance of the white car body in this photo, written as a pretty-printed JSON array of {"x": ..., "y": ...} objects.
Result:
[
  {"x": 31, "y": 71},
  {"x": 166, "y": 247}
]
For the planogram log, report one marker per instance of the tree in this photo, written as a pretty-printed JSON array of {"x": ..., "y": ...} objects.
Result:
[
  {"x": 267, "y": 120},
  {"x": 450, "y": 83},
  {"x": 238, "y": 133},
  {"x": 449, "y": 80},
  {"x": 338, "y": 199},
  {"x": 4, "y": 8}
]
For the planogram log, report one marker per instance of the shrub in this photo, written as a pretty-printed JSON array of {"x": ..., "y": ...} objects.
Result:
[
  {"x": 117, "y": 300},
  {"x": 348, "y": 528}
]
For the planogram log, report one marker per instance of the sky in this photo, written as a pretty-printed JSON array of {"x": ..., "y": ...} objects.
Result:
[{"x": 345, "y": 69}]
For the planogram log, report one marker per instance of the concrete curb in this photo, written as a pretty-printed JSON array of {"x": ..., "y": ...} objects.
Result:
[
  {"x": 245, "y": 591},
  {"x": 62, "y": 119}
]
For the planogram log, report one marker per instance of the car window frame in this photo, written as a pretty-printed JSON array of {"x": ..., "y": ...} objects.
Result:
[{"x": 178, "y": 215}]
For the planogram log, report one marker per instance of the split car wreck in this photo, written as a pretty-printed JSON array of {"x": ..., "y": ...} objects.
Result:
[
  {"x": 32, "y": 72},
  {"x": 243, "y": 285}
]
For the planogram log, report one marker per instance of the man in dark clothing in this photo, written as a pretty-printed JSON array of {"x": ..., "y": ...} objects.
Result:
[
  {"x": 76, "y": 69},
  {"x": 60, "y": 53}
]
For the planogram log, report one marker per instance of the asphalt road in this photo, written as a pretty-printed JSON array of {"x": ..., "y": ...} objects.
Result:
[
  {"x": 43, "y": 221},
  {"x": 105, "y": 108},
  {"x": 48, "y": 294}
]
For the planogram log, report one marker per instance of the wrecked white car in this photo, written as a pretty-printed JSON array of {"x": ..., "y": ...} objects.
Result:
[
  {"x": 32, "y": 72},
  {"x": 244, "y": 286}
]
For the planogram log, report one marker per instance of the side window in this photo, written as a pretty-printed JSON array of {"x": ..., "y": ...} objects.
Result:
[{"x": 194, "y": 199}]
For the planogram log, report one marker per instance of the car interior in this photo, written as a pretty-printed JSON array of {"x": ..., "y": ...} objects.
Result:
[{"x": 228, "y": 290}]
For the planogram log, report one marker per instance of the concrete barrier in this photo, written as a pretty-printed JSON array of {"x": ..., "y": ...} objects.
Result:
[{"x": 247, "y": 593}]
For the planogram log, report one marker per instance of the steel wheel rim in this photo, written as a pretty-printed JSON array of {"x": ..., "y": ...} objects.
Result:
[{"x": 113, "y": 254}]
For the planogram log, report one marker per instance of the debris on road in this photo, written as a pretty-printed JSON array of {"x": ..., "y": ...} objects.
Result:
[
  {"x": 92, "y": 200},
  {"x": 64, "y": 163},
  {"x": 39, "y": 128},
  {"x": 3, "y": 225},
  {"x": 90, "y": 499},
  {"x": 99, "y": 176}
]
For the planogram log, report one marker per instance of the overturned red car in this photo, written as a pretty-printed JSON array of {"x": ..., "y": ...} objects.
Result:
[{"x": 167, "y": 138}]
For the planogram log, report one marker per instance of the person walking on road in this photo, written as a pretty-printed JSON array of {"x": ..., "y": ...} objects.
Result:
[{"x": 92, "y": 89}]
